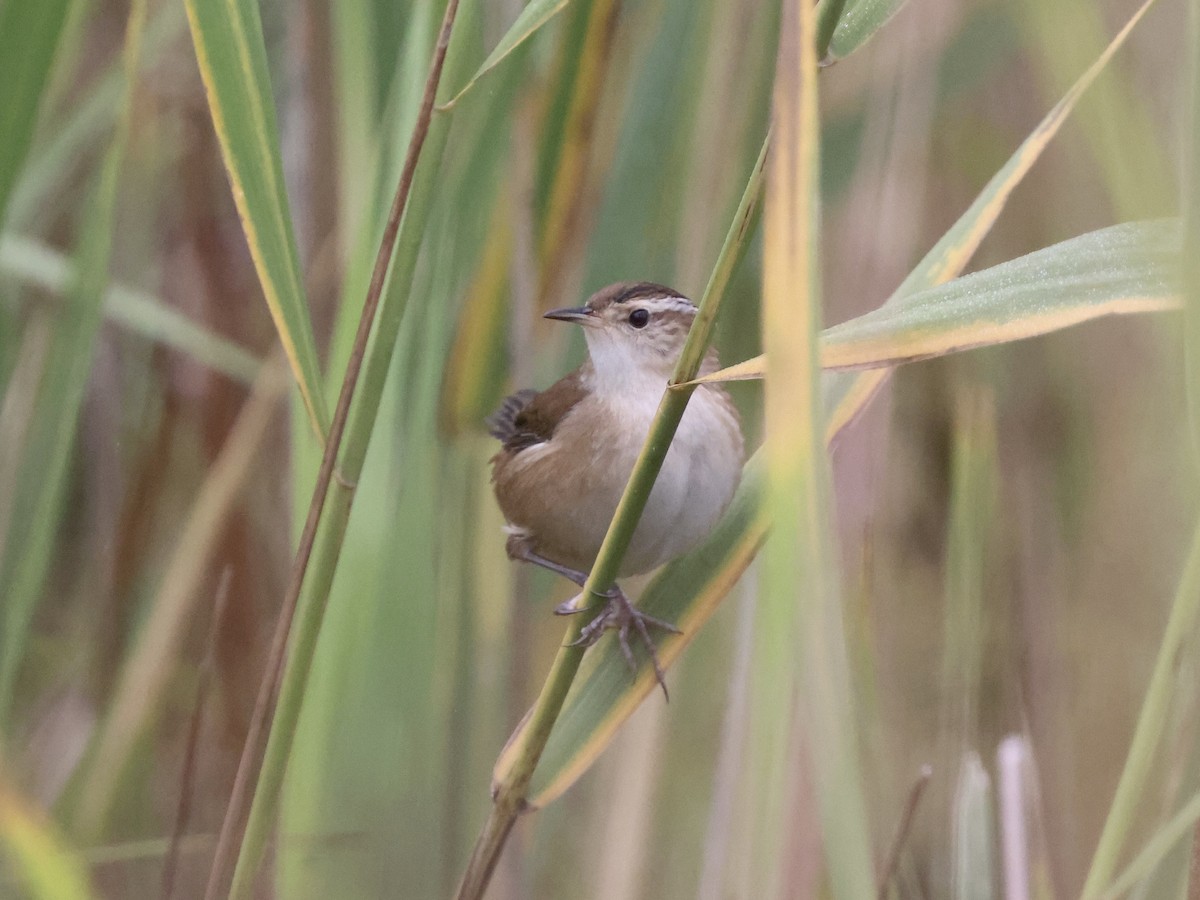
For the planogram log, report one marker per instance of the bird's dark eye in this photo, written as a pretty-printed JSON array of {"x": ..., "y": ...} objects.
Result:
[{"x": 638, "y": 318}]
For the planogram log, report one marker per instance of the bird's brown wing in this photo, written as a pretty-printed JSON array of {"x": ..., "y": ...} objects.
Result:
[{"x": 529, "y": 417}]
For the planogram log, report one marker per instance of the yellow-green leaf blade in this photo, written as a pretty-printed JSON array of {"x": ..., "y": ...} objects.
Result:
[
  {"x": 227, "y": 35},
  {"x": 1114, "y": 271}
]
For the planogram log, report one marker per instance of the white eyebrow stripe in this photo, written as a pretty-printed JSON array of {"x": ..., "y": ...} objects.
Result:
[{"x": 664, "y": 304}]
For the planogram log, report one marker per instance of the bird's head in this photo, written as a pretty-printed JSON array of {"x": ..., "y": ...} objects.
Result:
[{"x": 633, "y": 329}]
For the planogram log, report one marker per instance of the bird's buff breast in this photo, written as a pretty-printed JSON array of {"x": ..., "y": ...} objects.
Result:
[{"x": 589, "y": 459}]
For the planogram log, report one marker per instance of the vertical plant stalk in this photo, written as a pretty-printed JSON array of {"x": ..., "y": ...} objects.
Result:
[
  {"x": 509, "y": 794},
  {"x": 273, "y": 673},
  {"x": 802, "y": 675}
]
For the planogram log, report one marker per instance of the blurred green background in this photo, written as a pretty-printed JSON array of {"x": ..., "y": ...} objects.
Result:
[{"x": 1012, "y": 521}]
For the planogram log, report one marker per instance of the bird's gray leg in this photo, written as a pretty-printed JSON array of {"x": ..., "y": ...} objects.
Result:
[
  {"x": 518, "y": 548},
  {"x": 619, "y": 615}
]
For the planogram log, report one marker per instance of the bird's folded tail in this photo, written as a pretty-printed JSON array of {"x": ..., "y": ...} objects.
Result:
[{"x": 502, "y": 424}]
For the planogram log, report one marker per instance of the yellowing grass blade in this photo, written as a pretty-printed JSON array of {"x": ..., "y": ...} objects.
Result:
[
  {"x": 535, "y": 14},
  {"x": 1120, "y": 270},
  {"x": 800, "y": 669},
  {"x": 227, "y": 35}
]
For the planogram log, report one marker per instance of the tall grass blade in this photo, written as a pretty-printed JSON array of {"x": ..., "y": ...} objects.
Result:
[
  {"x": 320, "y": 548},
  {"x": 228, "y": 40},
  {"x": 801, "y": 669},
  {"x": 1161, "y": 843},
  {"x": 29, "y": 549},
  {"x": 29, "y": 36}
]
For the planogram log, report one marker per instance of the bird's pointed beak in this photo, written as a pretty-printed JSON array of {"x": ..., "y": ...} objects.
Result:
[{"x": 579, "y": 314}]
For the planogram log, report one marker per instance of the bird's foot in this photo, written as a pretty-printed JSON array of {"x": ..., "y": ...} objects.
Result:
[{"x": 622, "y": 616}]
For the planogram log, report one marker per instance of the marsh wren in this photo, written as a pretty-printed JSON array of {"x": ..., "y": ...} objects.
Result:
[{"x": 567, "y": 452}]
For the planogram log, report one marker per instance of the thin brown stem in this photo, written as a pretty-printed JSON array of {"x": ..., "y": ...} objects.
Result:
[{"x": 264, "y": 705}]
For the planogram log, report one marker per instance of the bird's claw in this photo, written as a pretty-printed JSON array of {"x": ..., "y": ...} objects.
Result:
[
  {"x": 620, "y": 615},
  {"x": 572, "y": 606}
]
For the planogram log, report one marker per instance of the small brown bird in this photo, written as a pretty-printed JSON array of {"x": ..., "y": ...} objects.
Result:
[{"x": 567, "y": 452}]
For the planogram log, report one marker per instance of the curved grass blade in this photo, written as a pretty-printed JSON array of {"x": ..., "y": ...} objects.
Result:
[
  {"x": 29, "y": 36},
  {"x": 227, "y": 35},
  {"x": 140, "y": 312},
  {"x": 1178, "y": 637},
  {"x": 299, "y": 624},
  {"x": 1120, "y": 270},
  {"x": 45, "y": 458},
  {"x": 535, "y": 14}
]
